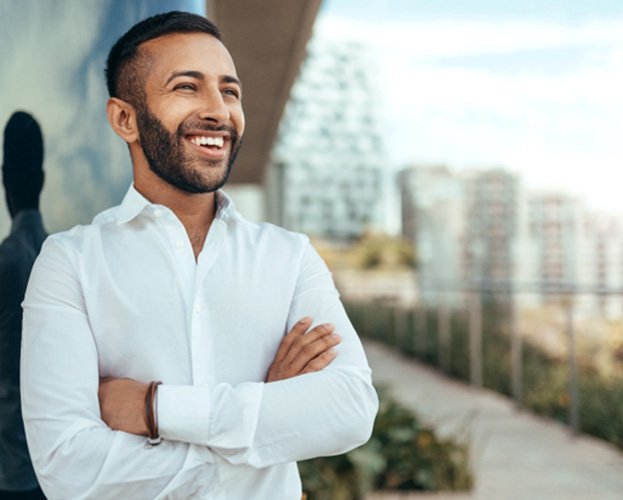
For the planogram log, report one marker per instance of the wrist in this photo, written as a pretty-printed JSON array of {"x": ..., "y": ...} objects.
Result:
[{"x": 151, "y": 414}]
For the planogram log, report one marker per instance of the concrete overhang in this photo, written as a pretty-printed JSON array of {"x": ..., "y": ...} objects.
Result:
[{"x": 267, "y": 40}]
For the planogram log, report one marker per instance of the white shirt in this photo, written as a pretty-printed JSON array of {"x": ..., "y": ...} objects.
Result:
[{"x": 124, "y": 297}]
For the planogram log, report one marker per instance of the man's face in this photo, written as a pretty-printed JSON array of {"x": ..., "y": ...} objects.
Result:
[{"x": 192, "y": 122}]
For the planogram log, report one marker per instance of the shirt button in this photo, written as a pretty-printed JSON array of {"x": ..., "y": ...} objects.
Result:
[
  {"x": 198, "y": 308},
  {"x": 158, "y": 212},
  {"x": 179, "y": 244}
]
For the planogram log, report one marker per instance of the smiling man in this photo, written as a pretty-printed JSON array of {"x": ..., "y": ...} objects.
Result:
[{"x": 172, "y": 349}]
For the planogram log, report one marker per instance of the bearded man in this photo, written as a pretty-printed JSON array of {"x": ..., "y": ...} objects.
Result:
[{"x": 172, "y": 349}]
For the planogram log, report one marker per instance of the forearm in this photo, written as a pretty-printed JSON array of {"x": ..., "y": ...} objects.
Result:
[
  {"x": 323, "y": 413},
  {"x": 318, "y": 414},
  {"x": 74, "y": 453},
  {"x": 100, "y": 464}
]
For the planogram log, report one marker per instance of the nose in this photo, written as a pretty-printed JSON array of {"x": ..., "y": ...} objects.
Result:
[{"x": 214, "y": 107}]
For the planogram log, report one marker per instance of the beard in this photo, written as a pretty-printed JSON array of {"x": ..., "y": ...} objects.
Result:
[{"x": 168, "y": 158}]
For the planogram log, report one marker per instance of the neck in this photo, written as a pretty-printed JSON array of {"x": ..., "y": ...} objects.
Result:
[{"x": 14, "y": 211}]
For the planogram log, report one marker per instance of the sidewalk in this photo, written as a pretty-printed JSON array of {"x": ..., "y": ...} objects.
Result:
[{"x": 516, "y": 455}]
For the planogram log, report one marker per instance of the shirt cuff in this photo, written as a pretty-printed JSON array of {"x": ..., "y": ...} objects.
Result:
[{"x": 210, "y": 415}]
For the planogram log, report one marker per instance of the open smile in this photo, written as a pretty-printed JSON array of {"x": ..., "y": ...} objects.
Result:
[{"x": 212, "y": 145}]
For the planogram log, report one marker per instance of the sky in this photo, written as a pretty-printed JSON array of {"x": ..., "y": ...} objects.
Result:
[{"x": 535, "y": 87}]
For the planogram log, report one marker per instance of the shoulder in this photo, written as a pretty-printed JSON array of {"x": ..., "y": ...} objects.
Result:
[
  {"x": 11, "y": 256},
  {"x": 76, "y": 237},
  {"x": 267, "y": 234}
]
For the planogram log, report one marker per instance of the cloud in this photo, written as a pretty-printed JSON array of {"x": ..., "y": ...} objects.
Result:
[
  {"x": 443, "y": 38},
  {"x": 474, "y": 93}
]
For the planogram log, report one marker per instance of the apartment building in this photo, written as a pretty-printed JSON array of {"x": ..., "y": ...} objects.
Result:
[{"x": 325, "y": 175}]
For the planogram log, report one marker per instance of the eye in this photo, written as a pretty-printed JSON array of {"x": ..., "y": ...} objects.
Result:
[
  {"x": 231, "y": 91},
  {"x": 185, "y": 86}
]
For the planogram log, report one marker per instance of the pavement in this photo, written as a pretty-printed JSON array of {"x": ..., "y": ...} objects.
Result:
[{"x": 515, "y": 455}]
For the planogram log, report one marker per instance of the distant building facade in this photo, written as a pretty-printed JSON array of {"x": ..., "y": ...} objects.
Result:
[
  {"x": 325, "y": 175},
  {"x": 434, "y": 205},
  {"x": 483, "y": 229},
  {"x": 490, "y": 243},
  {"x": 556, "y": 233},
  {"x": 465, "y": 226}
]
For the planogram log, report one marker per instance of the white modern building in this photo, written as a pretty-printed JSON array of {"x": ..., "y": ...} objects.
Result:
[
  {"x": 325, "y": 174},
  {"x": 434, "y": 204}
]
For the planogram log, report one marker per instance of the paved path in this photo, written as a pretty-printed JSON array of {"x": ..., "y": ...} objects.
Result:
[{"x": 516, "y": 455}]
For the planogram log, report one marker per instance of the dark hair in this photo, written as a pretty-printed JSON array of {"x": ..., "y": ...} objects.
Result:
[
  {"x": 22, "y": 161},
  {"x": 124, "y": 54}
]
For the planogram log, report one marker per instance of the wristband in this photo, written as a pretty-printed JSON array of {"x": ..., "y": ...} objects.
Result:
[{"x": 151, "y": 414}]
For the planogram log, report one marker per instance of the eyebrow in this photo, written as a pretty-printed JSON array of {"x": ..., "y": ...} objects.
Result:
[
  {"x": 198, "y": 75},
  {"x": 231, "y": 79}
]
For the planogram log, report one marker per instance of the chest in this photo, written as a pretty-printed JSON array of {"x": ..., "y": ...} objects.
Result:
[{"x": 156, "y": 315}]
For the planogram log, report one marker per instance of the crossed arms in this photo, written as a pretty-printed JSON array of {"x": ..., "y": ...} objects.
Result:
[
  {"x": 122, "y": 399},
  {"x": 310, "y": 401}
]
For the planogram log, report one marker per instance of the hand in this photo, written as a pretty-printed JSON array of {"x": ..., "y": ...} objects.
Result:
[
  {"x": 122, "y": 405},
  {"x": 301, "y": 352}
]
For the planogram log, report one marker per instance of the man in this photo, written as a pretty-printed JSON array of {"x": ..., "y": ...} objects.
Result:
[
  {"x": 240, "y": 322},
  {"x": 22, "y": 177}
]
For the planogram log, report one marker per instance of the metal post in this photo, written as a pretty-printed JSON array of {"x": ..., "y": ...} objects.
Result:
[
  {"x": 475, "y": 339},
  {"x": 516, "y": 354},
  {"x": 422, "y": 328},
  {"x": 443, "y": 332},
  {"x": 399, "y": 326},
  {"x": 365, "y": 319},
  {"x": 573, "y": 375}
]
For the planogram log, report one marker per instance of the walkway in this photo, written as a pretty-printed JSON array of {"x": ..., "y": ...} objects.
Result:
[{"x": 516, "y": 455}]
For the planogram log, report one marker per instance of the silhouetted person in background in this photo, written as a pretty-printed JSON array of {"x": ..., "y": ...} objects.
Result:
[{"x": 22, "y": 177}]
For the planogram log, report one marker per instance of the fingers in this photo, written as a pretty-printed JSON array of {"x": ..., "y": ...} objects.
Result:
[
  {"x": 301, "y": 352},
  {"x": 307, "y": 347},
  {"x": 298, "y": 330},
  {"x": 320, "y": 361}
]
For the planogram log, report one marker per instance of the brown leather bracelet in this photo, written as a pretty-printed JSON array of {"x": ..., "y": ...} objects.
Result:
[{"x": 151, "y": 414}]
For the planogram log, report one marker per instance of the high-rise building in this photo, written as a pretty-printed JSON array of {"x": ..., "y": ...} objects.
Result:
[
  {"x": 482, "y": 229},
  {"x": 465, "y": 226},
  {"x": 434, "y": 204},
  {"x": 325, "y": 175},
  {"x": 603, "y": 252},
  {"x": 556, "y": 234},
  {"x": 489, "y": 247}
]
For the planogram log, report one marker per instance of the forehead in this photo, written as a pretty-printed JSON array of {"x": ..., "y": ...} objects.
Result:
[{"x": 187, "y": 52}]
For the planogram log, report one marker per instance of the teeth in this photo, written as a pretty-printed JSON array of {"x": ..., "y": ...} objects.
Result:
[{"x": 208, "y": 141}]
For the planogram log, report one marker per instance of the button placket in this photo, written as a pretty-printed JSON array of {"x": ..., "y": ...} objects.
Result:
[{"x": 201, "y": 343}]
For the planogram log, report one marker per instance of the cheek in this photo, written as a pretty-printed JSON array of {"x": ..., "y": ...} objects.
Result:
[{"x": 239, "y": 121}]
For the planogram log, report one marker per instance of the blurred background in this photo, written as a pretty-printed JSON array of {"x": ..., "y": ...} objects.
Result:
[{"x": 456, "y": 164}]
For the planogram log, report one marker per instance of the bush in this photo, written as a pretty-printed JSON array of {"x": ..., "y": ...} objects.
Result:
[
  {"x": 402, "y": 454},
  {"x": 546, "y": 377}
]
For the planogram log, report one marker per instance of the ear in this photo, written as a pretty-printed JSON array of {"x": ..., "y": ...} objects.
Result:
[{"x": 122, "y": 119}]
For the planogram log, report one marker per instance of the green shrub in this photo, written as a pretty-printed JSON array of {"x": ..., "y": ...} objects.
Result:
[
  {"x": 402, "y": 454},
  {"x": 546, "y": 378}
]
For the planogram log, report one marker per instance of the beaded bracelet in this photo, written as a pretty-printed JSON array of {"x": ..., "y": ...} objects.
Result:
[{"x": 151, "y": 414}]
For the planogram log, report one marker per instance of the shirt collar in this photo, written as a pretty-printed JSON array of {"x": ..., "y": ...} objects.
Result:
[{"x": 134, "y": 203}]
